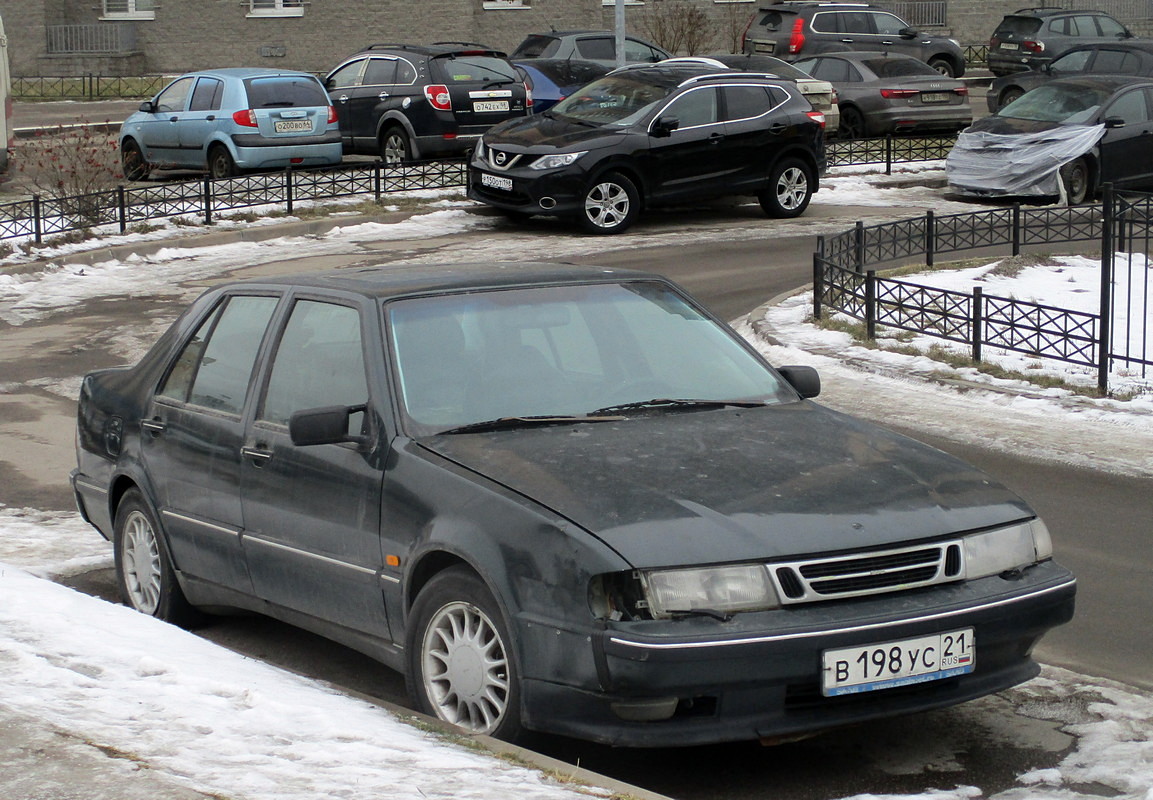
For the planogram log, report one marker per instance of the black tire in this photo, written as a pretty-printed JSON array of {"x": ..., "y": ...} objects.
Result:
[
  {"x": 790, "y": 189},
  {"x": 852, "y": 124},
  {"x": 1077, "y": 177},
  {"x": 132, "y": 161},
  {"x": 144, "y": 570},
  {"x": 1009, "y": 95},
  {"x": 943, "y": 65},
  {"x": 395, "y": 149},
  {"x": 610, "y": 204},
  {"x": 220, "y": 163},
  {"x": 461, "y": 665}
]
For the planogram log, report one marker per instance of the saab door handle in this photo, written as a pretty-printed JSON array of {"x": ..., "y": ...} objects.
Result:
[
  {"x": 257, "y": 455},
  {"x": 154, "y": 426}
]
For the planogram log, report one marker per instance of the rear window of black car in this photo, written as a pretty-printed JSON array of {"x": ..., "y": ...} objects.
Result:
[
  {"x": 569, "y": 73},
  {"x": 284, "y": 91},
  {"x": 1018, "y": 26},
  {"x": 472, "y": 69},
  {"x": 537, "y": 47}
]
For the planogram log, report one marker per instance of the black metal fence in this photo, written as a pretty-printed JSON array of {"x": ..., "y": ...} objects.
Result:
[
  {"x": 39, "y": 217},
  {"x": 842, "y": 282},
  {"x": 888, "y": 150},
  {"x": 88, "y": 87}
]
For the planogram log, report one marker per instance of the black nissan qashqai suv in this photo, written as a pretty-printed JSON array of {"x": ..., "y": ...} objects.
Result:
[{"x": 650, "y": 135}]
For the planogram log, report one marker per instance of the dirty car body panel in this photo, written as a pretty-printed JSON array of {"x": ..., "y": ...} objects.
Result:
[{"x": 664, "y": 542}]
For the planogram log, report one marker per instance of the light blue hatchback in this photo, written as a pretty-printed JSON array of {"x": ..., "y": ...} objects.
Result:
[{"x": 230, "y": 120}]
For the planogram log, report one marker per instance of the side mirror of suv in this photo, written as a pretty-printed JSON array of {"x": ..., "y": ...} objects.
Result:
[
  {"x": 664, "y": 126},
  {"x": 909, "y": 33}
]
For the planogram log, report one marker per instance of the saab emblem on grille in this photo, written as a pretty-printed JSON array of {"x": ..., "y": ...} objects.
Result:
[{"x": 500, "y": 158}]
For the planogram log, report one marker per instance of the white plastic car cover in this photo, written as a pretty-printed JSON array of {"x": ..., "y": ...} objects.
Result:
[{"x": 1016, "y": 164}]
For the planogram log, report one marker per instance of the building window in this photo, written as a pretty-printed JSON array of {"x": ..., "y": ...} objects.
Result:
[
  {"x": 276, "y": 8},
  {"x": 627, "y": 2},
  {"x": 506, "y": 4},
  {"x": 129, "y": 9}
]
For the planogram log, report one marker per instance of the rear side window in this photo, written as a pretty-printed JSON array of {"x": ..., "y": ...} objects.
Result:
[
  {"x": 473, "y": 69},
  {"x": 214, "y": 369},
  {"x": 1017, "y": 27},
  {"x": 206, "y": 96},
  {"x": 1117, "y": 62},
  {"x": 537, "y": 47},
  {"x": 284, "y": 91},
  {"x": 746, "y": 102}
]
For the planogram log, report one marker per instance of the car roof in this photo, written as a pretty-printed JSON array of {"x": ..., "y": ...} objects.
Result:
[
  {"x": 386, "y": 281},
  {"x": 1143, "y": 45},
  {"x": 816, "y": 3},
  {"x": 249, "y": 72},
  {"x": 1109, "y": 82},
  {"x": 1050, "y": 11},
  {"x": 863, "y": 55},
  {"x": 438, "y": 49}
]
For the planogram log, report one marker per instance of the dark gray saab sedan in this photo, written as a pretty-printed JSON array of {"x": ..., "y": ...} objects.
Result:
[{"x": 561, "y": 499}]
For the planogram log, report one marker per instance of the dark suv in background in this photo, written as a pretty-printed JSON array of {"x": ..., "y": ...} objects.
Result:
[
  {"x": 600, "y": 46},
  {"x": 652, "y": 135},
  {"x": 1032, "y": 37},
  {"x": 796, "y": 28},
  {"x": 407, "y": 102}
]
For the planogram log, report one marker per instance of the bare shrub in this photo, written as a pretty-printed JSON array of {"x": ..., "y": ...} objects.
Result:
[
  {"x": 677, "y": 25},
  {"x": 71, "y": 164}
]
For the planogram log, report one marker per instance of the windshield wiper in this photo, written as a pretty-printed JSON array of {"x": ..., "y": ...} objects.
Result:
[
  {"x": 507, "y": 423},
  {"x": 499, "y": 82},
  {"x": 668, "y": 402}
]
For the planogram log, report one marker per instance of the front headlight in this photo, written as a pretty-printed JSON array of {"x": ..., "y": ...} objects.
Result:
[
  {"x": 1004, "y": 549},
  {"x": 556, "y": 160},
  {"x": 721, "y": 589}
]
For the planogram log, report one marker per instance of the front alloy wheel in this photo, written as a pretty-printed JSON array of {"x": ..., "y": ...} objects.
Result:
[
  {"x": 461, "y": 666},
  {"x": 610, "y": 204}
]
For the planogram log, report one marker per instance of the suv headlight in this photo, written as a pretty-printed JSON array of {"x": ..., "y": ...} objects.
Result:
[
  {"x": 1004, "y": 549},
  {"x": 744, "y": 587},
  {"x": 556, "y": 160}
]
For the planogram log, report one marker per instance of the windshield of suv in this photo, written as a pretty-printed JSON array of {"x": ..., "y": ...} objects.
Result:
[
  {"x": 564, "y": 353},
  {"x": 474, "y": 69},
  {"x": 1068, "y": 105},
  {"x": 614, "y": 100},
  {"x": 1017, "y": 27}
]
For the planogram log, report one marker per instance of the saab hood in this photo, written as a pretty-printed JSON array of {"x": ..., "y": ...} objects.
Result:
[{"x": 694, "y": 487}]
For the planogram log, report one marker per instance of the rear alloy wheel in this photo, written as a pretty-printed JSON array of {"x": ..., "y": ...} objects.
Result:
[
  {"x": 394, "y": 147},
  {"x": 943, "y": 66},
  {"x": 1076, "y": 177},
  {"x": 461, "y": 665},
  {"x": 143, "y": 567},
  {"x": 610, "y": 204},
  {"x": 220, "y": 163},
  {"x": 132, "y": 161},
  {"x": 790, "y": 189},
  {"x": 852, "y": 124}
]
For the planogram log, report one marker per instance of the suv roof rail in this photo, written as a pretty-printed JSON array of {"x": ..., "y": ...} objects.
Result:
[
  {"x": 730, "y": 75},
  {"x": 1038, "y": 8},
  {"x": 475, "y": 45},
  {"x": 392, "y": 46}
]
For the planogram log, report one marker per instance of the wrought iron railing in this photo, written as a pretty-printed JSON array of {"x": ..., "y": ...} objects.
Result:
[
  {"x": 844, "y": 282},
  {"x": 888, "y": 150}
]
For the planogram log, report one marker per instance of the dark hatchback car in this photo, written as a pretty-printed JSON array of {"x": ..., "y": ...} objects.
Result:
[
  {"x": 881, "y": 93},
  {"x": 1069, "y": 136},
  {"x": 406, "y": 102},
  {"x": 655, "y": 135},
  {"x": 1122, "y": 58},
  {"x": 558, "y": 498},
  {"x": 1030, "y": 38}
]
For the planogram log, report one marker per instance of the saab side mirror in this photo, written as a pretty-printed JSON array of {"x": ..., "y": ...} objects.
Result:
[
  {"x": 325, "y": 425},
  {"x": 804, "y": 379},
  {"x": 664, "y": 126}
]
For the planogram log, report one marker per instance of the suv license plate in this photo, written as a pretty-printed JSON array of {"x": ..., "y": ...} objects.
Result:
[
  {"x": 853, "y": 670},
  {"x": 1009, "y": 46},
  {"x": 934, "y": 97},
  {"x": 292, "y": 125},
  {"x": 496, "y": 181},
  {"x": 489, "y": 105}
]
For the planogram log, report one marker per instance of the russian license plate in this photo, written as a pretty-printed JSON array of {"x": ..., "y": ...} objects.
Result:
[
  {"x": 496, "y": 181},
  {"x": 292, "y": 125},
  {"x": 489, "y": 105},
  {"x": 934, "y": 97},
  {"x": 853, "y": 670},
  {"x": 1009, "y": 46}
]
